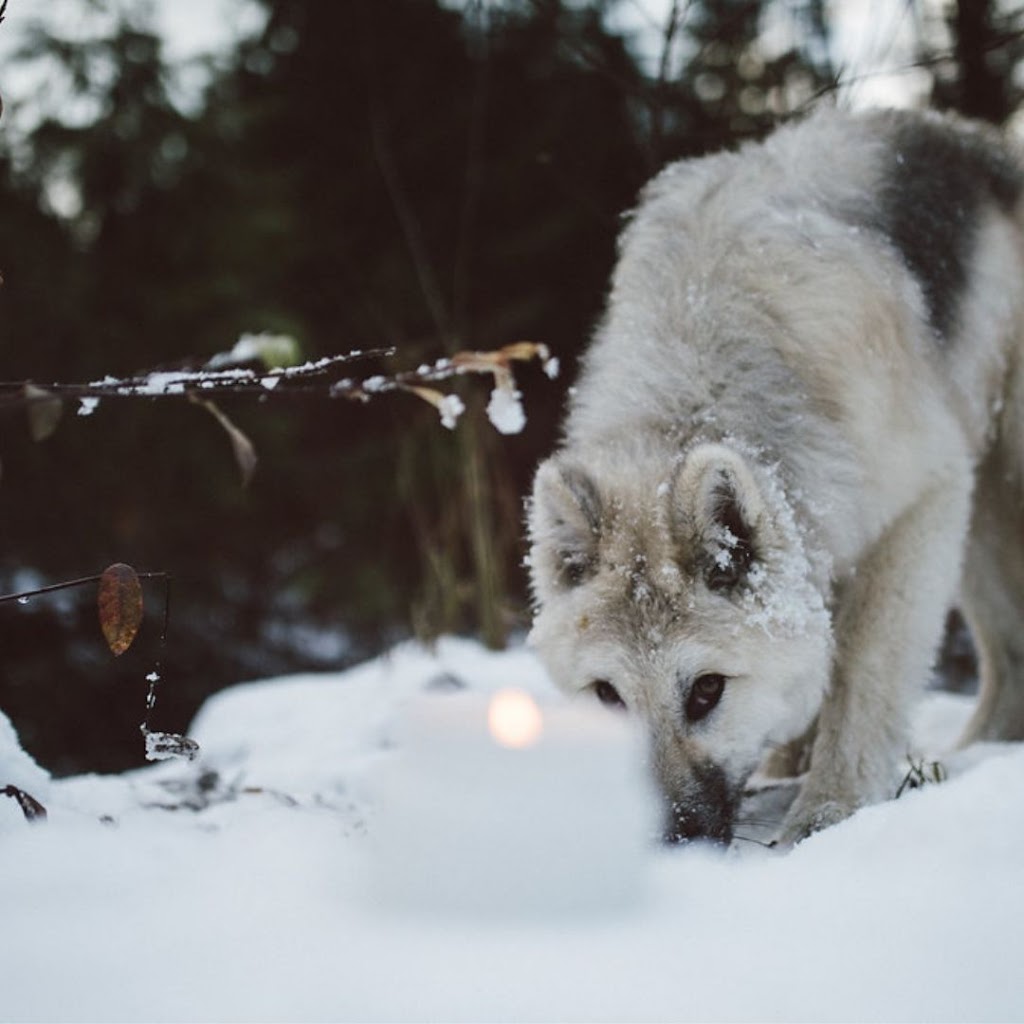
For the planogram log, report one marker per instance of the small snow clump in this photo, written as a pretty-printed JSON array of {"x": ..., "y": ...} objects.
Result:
[
  {"x": 505, "y": 410},
  {"x": 451, "y": 408},
  {"x": 165, "y": 746}
]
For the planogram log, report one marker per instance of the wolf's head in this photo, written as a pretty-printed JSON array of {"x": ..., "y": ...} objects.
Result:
[{"x": 680, "y": 590}]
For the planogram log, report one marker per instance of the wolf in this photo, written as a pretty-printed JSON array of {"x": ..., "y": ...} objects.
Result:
[{"x": 796, "y": 440}]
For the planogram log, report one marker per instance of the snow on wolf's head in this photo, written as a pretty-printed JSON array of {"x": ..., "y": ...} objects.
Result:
[{"x": 678, "y": 589}]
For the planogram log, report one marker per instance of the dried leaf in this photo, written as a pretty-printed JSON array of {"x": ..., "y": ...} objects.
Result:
[
  {"x": 245, "y": 453},
  {"x": 120, "y": 606},
  {"x": 493, "y": 362},
  {"x": 44, "y": 412},
  {"x": 479, "y": 362},
  {"x": 524, "y": 351},
  {"x": 449, "y": 406},
  {"x": 30, "y": 806}
]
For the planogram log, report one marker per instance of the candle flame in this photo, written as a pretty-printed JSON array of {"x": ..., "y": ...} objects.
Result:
[{"x": 514, "y": 719}]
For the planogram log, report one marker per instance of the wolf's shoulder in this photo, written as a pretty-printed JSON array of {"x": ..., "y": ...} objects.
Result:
[
  {"x": 923, "y": 185},
  {"x": 842, "y": 154}
]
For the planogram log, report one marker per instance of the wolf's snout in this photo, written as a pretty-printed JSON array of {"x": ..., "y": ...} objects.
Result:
[
  {"x": 682, "y": 825},
  {"x": 702, "y": 808}
]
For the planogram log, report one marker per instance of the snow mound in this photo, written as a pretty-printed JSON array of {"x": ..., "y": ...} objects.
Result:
[
  {"x": 233, "y": 888},
  {"x": 308, "y": 733}
]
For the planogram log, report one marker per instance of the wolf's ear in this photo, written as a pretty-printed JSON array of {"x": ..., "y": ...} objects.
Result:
[
  {"x": 722, "y": 509},
  {"x": 565, "y": 524}
]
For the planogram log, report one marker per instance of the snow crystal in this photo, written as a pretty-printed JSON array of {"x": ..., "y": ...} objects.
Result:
[
  {"x": 552, "y": 367},
  {"x": 270, "y": 382},
  {"x": 87, "y": 406},
  {"x": 505, "y": 411},
  {"x": 451, "y": 408}
]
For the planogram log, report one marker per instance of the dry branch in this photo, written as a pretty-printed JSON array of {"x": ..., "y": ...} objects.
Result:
[{"x": 319, "y": 377}]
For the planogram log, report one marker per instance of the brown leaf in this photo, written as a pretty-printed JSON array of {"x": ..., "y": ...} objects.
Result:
[
  {"x": 524, "y": 351},
  {"x": 30, "y": 806},
  {"x": 492, "y": 362},
  {"x": 245, "y": 453},
  {"x": 120, "y": 605},
  {"x": 449, "y": 407},
  {"x": 479, "y": 362},
  {"x": 44, "y": 412}
]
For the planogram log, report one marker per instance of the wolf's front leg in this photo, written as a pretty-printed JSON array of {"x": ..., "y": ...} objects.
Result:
[{"x": 888, "y": 624}]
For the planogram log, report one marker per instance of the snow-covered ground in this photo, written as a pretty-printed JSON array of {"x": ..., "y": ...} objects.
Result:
[{"x": 236, "y": 888}]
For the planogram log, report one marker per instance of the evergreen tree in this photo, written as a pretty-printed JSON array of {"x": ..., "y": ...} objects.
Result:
[
  {"x": 980, "y": 79},
  {"x": 362, "y": 173}
]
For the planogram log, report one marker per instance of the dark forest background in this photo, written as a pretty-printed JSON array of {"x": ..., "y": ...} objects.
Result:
[{"x": 361, "y": 173}]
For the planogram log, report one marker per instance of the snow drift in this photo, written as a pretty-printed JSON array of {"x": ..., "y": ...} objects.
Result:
[{"x": 234, "y": 888}]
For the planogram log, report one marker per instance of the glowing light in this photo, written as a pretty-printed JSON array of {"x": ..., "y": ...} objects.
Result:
[{"x": 514, "y": 719}]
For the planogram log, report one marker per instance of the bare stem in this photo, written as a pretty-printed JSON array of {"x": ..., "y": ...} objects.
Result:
[{"x": 24, "y": 595}]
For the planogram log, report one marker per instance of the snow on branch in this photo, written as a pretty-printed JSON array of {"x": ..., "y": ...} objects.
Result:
[
  {"x": 504, "y": 410},
  {"x": 266, "y": 366},
  {"x": 237, "y": 373}
]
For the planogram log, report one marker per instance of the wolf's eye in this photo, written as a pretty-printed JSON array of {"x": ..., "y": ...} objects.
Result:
[
  {"x": 705, "y": 693},
  {"x": 608, "y": 695},
  {"x": 724, "y": 573},
  {"x": 723, "y": 577},
  {"x": 575, "y": 568}
]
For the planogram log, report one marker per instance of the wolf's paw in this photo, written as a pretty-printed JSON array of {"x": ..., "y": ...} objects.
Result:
[{"x": 807, "y": 817}]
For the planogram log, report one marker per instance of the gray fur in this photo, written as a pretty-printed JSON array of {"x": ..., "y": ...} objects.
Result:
[
  {"x": 936, "y": 185},
  {"x": 768, "y": 466}
]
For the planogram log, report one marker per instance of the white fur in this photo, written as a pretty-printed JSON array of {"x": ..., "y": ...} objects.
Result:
[{"x": 759, "y": 344}]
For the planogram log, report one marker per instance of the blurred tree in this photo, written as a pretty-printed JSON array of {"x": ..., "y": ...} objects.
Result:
[
  {"x": 728, "y": 70},
  {"x": 987, "y": 46},
  {"x": 403, "y": 172},
  {"x": 360, "y": 173}
]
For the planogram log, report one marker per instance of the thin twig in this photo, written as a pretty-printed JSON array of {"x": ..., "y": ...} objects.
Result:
[
  {"x": 155, "y": 676},
  {"x": 660, "y": 89},
  {"x": 934, "y": 60},
  {"x": 24, "y": 595},
  {"x": 200, "y": 386},
  {"x": 186, "y": 383}
]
